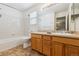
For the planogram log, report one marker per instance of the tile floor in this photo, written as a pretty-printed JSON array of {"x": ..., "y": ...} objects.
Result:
[{"x": 20, "y": 51}]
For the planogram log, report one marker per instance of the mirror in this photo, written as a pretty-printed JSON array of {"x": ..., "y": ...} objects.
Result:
[
  {"x": 67, "y": 19},
  {"x": 62, "y": 20},
  {"x": 60, "y": 23}
]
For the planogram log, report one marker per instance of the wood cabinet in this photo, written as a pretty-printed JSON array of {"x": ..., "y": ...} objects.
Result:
[
  {"x": 63, "y": 46},
  {"x": 46, "y": 45},
  {"x": 33, "y": 43},
  {"x": 57, "y": 49},
  {"x": 55, "y": 45},
  {"x": 71, "y": 50},
  {"x": 39, "y": 44},
  {"x": 36, "y": 42}
]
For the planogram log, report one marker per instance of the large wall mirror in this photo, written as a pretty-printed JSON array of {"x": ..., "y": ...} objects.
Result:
[
  {"x": 62, "y": 18},
  {"x": 67, "y": 17}
]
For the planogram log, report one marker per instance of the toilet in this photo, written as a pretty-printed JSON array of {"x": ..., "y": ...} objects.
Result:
[{"x": 26, "y": 41}]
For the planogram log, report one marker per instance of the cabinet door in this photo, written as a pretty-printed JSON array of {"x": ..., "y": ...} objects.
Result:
[
  {"x": 57, "y": 49},
  {"x": 39, "y": 44},
  {"x": 33, "y": 43},
  {"x": 71, "y": 50},
  {"x": 36, "y": 42},
  {"x": 46, "y": 47}
]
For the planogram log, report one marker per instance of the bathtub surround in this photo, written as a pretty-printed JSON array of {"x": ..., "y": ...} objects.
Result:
[
  {"x": 11, "y": 27},
  {"x": 9, "y": 43},
  {"x": 10, "y": 22}
]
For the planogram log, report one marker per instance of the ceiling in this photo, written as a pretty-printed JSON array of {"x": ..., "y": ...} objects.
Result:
[
  {"x": 21, "y": 6},
  {"x": 25, "y": 6}
]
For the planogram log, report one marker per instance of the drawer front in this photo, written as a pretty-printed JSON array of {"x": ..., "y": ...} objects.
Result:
[
  {"x": 46, "y": 37},
  {"x": 36, "y": 36},
  {"x": 64, "y": 40},
  {"x": 46, "y": 43}
]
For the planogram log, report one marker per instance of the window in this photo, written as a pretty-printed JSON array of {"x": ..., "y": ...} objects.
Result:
[
  {"x": 46, "y": 22},
  {"x": 33, "y": 21},
  {"x": 33, "y": 18}
]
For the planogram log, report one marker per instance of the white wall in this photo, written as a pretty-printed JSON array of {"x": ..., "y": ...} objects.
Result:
[
  {"x": 27, "y": 21},
  {"x": 10, "y": 22},
  {"x": 37, "y": 27},
  {"x": 46, "y": 22}
]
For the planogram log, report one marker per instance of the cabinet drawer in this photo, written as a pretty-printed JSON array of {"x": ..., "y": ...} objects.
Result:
[
  {"x": 46, "y": 37},
  {"x": 57, "y": 43},
  {"x": 36, "y": 36},
  {"x": 46, "y": 43},
  {"x": 64, "y": 40}
]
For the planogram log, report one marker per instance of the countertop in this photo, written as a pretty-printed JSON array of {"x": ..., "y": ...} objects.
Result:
[{"x": 69, "y": 35}]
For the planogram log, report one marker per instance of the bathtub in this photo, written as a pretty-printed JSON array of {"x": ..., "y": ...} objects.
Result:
[{"x": 8, "y": 43}]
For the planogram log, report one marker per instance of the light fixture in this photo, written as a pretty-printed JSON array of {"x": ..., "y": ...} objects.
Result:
[{"x": 47, "y": 5}]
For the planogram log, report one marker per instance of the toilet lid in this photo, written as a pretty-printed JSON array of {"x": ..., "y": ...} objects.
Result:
[{"x": 27, "y": 37}]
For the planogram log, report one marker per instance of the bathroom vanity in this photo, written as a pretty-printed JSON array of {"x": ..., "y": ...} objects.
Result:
[
  {"x": 55, "y": 44},
  {"x": 60, "y": 44}
]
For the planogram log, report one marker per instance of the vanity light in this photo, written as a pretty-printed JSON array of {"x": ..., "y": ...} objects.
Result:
[{"x": 47, "y": 5}]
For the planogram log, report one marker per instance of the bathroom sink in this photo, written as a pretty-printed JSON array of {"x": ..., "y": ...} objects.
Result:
[
  {"x": 71, "y": 32},
  {"x": 63, "y": 33},
  {"x": 49, "y": 32}
]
